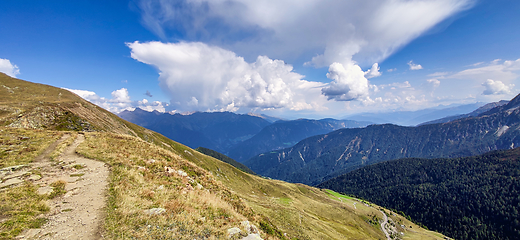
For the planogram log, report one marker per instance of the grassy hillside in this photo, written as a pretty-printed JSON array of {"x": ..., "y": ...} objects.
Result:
[
  {"x": 162, "y": 189},
  {"x": 225, "y": 159}
]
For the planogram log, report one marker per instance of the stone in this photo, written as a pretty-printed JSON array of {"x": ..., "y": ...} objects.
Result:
[
  {"x": 11, "y": 182},
  {"x": 34, "y": 177},
  {"x": 232, "y": 231},
  {"x": 253, "y": 236},
  {"x": 246, "y": 225},
  {"x": 182, "y": 173},
  {"x": 13, "y": 168},
  {"x": 155, "y": 211}
]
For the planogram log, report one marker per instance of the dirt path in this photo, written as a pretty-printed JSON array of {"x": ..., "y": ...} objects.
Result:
[
  {"x": 385, "y": 221},
  {"x": 77, "y": 214}
]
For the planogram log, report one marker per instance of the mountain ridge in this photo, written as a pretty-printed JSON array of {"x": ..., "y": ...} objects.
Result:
[{"x": 322, "y": 157}]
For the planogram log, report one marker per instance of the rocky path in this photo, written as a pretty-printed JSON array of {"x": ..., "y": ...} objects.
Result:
[
  {"x": 385, "y": 221},
  {"x": 78, "y": 213}
]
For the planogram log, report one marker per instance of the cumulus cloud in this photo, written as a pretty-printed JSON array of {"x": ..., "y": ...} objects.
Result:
[
  {"x": 348, "y": 83},
  {"x": 119, "y": 102},
  {"x": 373, "y": 72},
  {"x": 201, "y": 77},
  {"x": 8, "y": 68},
  {"x": 332, "y": 31},
  {"x": 414, "y": 66},
  {"x": 496, "y": 87}
]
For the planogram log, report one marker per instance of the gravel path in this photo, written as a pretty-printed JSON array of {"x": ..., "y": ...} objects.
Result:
[
  {"x": 385, "y": 221},
  {"x": 78, "y": 214}
]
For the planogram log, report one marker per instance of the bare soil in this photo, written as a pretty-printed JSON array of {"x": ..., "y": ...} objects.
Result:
[{"x": 77, "y": 214}]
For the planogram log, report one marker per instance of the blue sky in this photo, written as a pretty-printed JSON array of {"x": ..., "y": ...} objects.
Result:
[{"x": 304, "y": 58}]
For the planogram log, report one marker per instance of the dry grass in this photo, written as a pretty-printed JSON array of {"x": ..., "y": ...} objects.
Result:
[
  {"x": 22, "y": 146},
  {"x": 62, "y": 146},
  {"x": 228, "y": 196},
  {"x": 142, "y": 178},
  {"x": 20, "y": 208}
]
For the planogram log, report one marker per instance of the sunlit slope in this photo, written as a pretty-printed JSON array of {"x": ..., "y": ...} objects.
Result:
[
  {"x": 227, "y": 196},
  {"x": 37, "y": 106}
]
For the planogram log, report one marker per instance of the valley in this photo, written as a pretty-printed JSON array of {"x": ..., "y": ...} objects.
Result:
[{"x": 158, "y": 188}]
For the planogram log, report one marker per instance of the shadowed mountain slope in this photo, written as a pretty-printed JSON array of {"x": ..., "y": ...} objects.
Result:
[
  {"x": 465, "y": 198},
  {"x": 282, "y": 134},
  {"x": 322, "y": 157}
]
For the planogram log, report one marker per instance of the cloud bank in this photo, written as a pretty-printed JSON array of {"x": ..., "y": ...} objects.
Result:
[
  {"x": 496, "y": 87},
  {"x": 328, "y": 31},
  {"x": 208, "y": 78},
  {"x": 8, "y": 68}
]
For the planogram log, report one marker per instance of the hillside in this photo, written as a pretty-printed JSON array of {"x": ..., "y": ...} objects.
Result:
[
  {"x": 282, "y": 134},
  {"x": 219, "y": 131},
  {"x": 465, "y": 198},
  {"x": 322, "y": 157},
  {"x": 156, "y": 188}
]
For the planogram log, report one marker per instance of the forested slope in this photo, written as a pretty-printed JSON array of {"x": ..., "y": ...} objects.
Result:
[{"x": 464, "y": 198}]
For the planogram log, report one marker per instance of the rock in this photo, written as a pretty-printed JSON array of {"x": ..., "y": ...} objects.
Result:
[
  {"x": 253, "y": 236},
  {"x": 246, "y": 225},
  {"x": 11, "y": 182},
  {"x": 150, "y": 161},
  {"x": 233, "y": 231},
  {"x": 199, "y": 187},
  {"x": 189, "y": 187},
  {"x": 182, "y": 173},
  {"x": 16, "y": 175},
  {"x": 141, "y": 169},
  {"x": 160, "y": 188},
  {"x": 34, "y": 177},
  {"x": 13, "y": 168},
  {"x": 155, "y": 211},
  {"x": 169, "y": 171}
]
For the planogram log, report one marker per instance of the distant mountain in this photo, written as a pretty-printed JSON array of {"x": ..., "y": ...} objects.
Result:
[
  {"x": 217, "y": 130},
  {"x": 413, "y": 118},
  {"x": 475, "y": 113},
  {"x": 282, "y": 134},
  {"x": 464, "y": 198},
  {"x": 225, "y": 159},
  {"x": 322, "y": 157}
]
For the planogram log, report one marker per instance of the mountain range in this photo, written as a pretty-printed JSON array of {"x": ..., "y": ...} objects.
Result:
[
  {"x": 319, "y": 158},
  {"x": 240, "y": 136}
]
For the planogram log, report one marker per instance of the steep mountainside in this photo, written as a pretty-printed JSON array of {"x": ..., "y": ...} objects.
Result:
[
  {"x": 465, "y": 198},
  {"x": 322, "y": 157},
  {"x": 218, "y": 130},
  {"x": 282, "y": 134},
  {"x": 475, "y": 113},
  {"x": 157, "y": 188}
]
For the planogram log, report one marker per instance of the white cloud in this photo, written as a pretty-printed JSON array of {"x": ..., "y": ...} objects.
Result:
[
  {"x": 434, "y": 83},
  {"x": 348, "y": 83},
  {"x": 496, "y": 87},
  {"x": 505, "y": 71},
  {"x": 119, "y": 102},
  {"x": 333, "y": 31},
  {"x": 392, "y": 70},
  {"x": 208, "y": 78},
  {"x": 151, "y": 106},
  {"x": 373, "y": 72},
  {"x": 414, "y": 66},
  {"x": 8, "y": 68}
]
